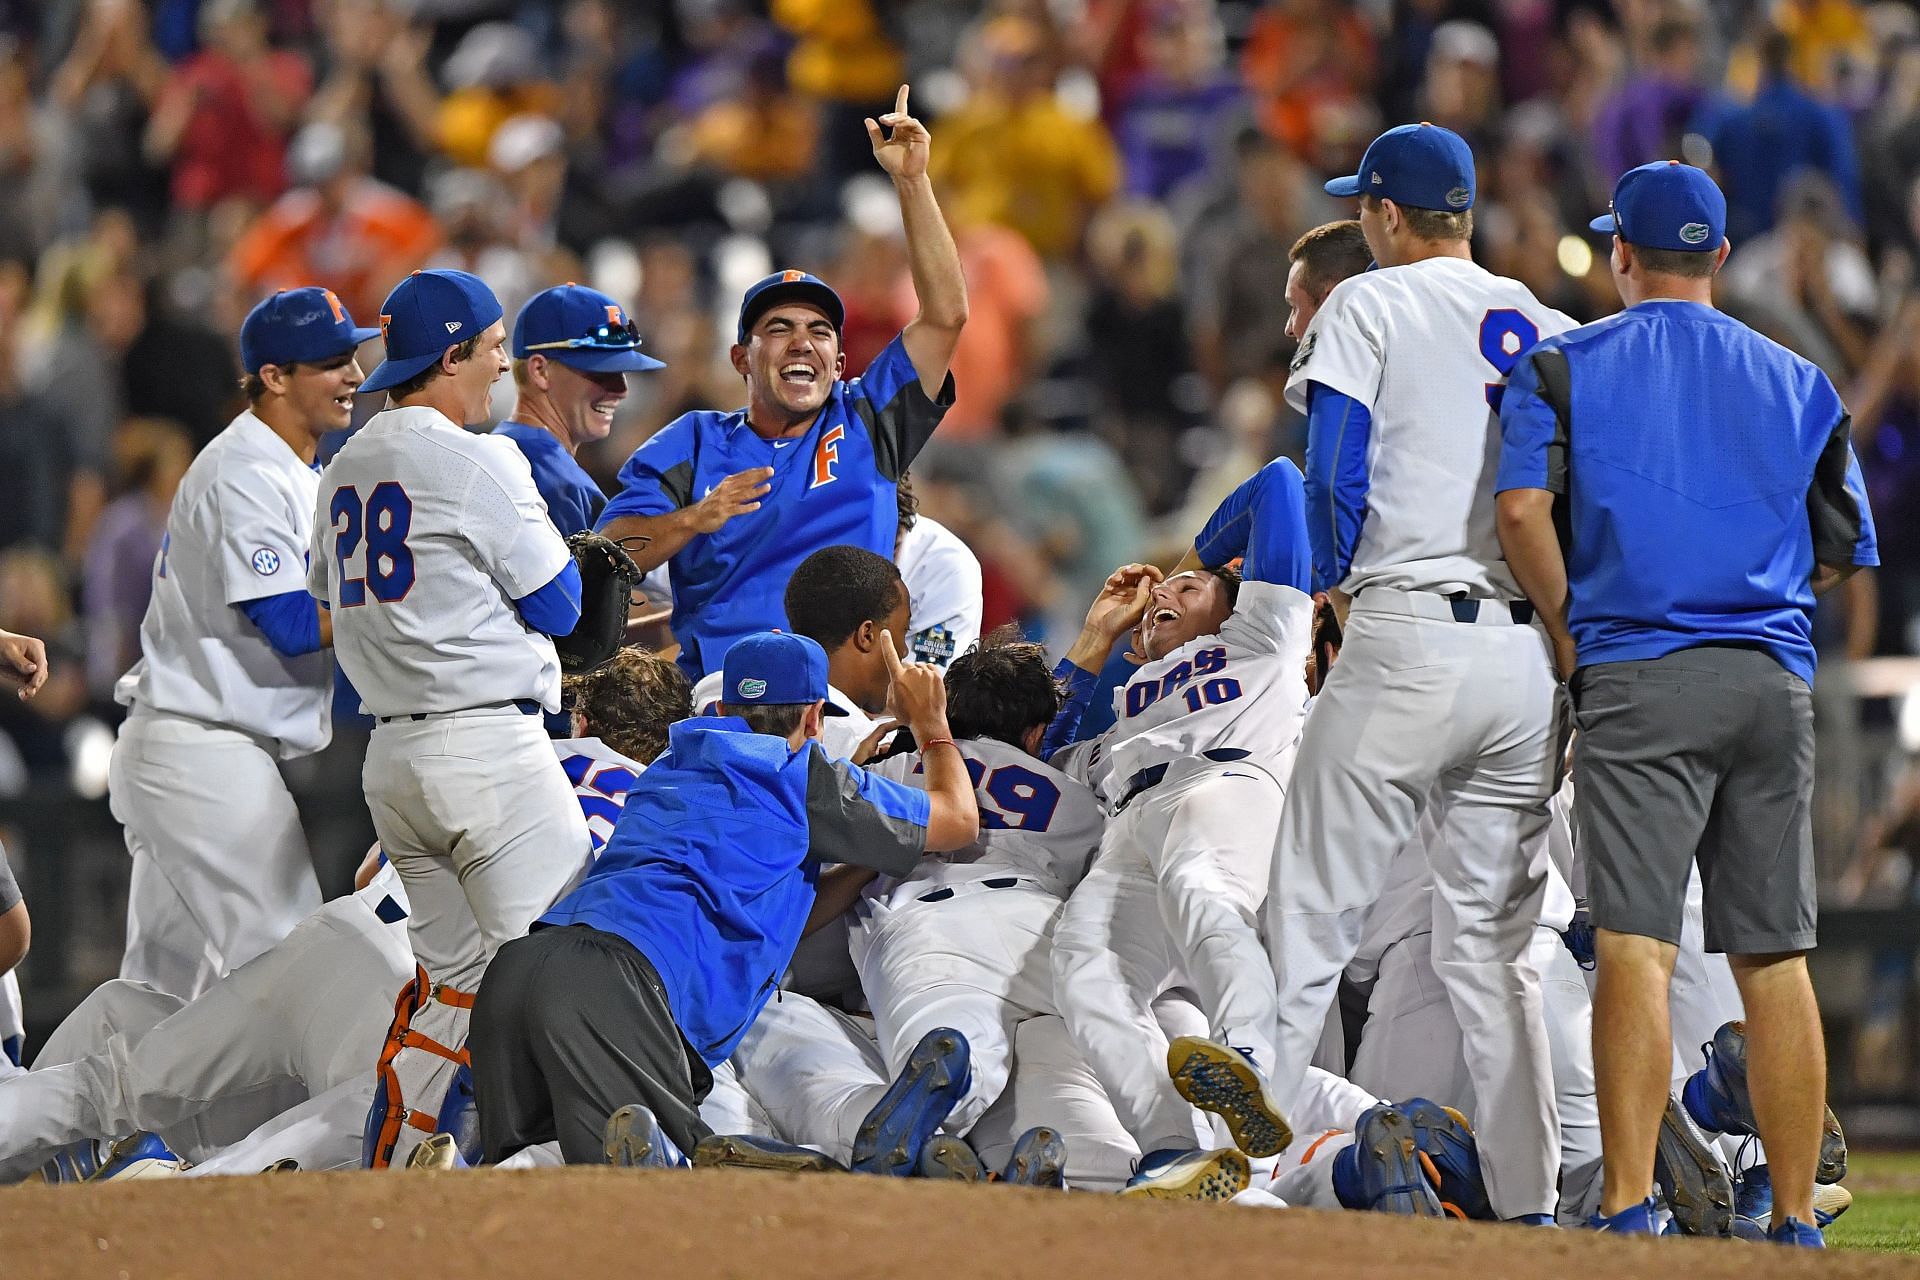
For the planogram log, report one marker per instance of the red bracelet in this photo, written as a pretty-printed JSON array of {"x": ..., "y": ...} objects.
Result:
[{"x": 934, "y": 742}]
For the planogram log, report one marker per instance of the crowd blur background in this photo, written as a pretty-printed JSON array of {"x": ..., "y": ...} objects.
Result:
[{"x": 1123, "y": 177}]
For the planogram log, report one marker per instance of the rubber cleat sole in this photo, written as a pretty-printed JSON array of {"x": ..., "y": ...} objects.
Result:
[
  {"x": 1219, "y": 1178},
  {"x": 629, "y": 1138},
  {"x": 1699, "y": 1193},
  {"x": 1833, "y": 1152},
  {"x": 739, "y": 1151},
  {"x": 1039, "y": 1159},
  {"x": 950, "y": 1159},
  {"x": 1219, "y": 1080},
  {"x": 889, "y": 1139},
  {"x": 1396, "y": 1176},
  {"x": 438, "y": 1153}
]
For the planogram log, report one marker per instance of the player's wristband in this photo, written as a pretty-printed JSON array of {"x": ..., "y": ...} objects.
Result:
[{"x": 934, "y": 742}]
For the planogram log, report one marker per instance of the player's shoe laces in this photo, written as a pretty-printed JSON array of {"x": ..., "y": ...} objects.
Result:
[
  {"x": 1699, "y": 1193},
  {"x": 1227, "y": 1082},
  {"x": 1190, "y": 1175},
  {"x": 1753, "y": 1201},
  {"x": 950, "y": 1159},
  {"x": 746, "y": 1151},
  {"x": 143, "y": 1155},
  {"x": 1716, "y": 1097},
  {"x": 930, "y": 1084},
  {"x": 438, "y": 1153},
  {"x": 1384, "y": 1168},
  {"x": 1447, "y": 1140},
  {"x": 635, "y": 1140},
  {"x": 1039, "y": 1159},
  {"x": 1641, "y": 1219}
]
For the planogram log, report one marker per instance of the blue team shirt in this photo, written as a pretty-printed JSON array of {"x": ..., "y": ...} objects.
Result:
[
  {"x": 711, "y": 869},
  {"x": 574, "y": 501},
  {"x": 835, "y": 485},
  {"x": 1704, "y": 469}
]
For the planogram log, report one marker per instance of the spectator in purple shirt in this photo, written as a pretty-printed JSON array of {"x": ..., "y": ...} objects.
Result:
[
  {"x": 153, "y": 454},
  {"x": 1172, "y": 127},
  {"x": 1647, "y": 117}
]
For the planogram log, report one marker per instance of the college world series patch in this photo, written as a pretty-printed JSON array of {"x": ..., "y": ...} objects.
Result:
[{"x": 935, "y": 645}]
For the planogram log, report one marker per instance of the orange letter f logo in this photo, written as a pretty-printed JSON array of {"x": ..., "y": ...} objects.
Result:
[{"x": 826, "y": 457}]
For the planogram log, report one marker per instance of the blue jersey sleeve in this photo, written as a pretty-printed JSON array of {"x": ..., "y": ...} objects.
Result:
[
  {"x": 1264, "y": 521},
  {"x": 657, "y": 479},
  {"x": 1077, "y": 687},
  {"x": 289, "y": 621},
  {"x": 554, "y": 609},
  {"x": 1338, "y": 428},
  {"x": 896, "y": 411},
  {"x": 1532, "y": 426}
]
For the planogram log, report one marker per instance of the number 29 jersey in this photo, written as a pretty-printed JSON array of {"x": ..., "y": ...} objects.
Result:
[
  {"x": 423, "y": 537},
  {"x": 1425, "y": 348}
]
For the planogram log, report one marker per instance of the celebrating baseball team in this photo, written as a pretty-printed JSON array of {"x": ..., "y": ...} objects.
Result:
[{"x": 1448, "y": 853}]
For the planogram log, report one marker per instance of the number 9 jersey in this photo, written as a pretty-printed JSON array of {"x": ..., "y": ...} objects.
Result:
[
  {"x": 1425, "y": 350},
  {"x": 424, "y": 536}
]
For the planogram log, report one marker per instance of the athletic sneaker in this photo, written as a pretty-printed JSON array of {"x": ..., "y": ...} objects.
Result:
[
  {"x": 1039, "y": 1159},
  {"x": 1226, "y": 1081},
  {"x": 928, "y": 1087},
  {"x": 635, "y": 1140},
  {"x": 747, "y": 1151},
  {"x": 1716, "y": 1097},
  {"x": 1385, "y": 1170},
  {"x": 1699, "y": 1193},
  {"x": 1190, "y": 1175}
]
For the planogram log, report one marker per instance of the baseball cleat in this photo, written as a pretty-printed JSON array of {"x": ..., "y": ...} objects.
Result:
[
  {"x": 1641, "y": 1219},
  {"x": 1833, "y": 1153},
  {"x": 927, "y": 1088},
  {"x": 1385, "y": 1170},
  {"x": 284, "y": 1165},
  {"x": 1797, "y": 1233},
  {"x": 141, "y": 1156},
  {"x": 1225, "y": 1081},
  {"x": 438, "y": 1153},
  {"x": 1753, "y": 1200},
  {"x": 1699, "y": 1193},
  {"x": 1716, "y": 1097},
  {"x": 1447, "y": 1139},
  {"x": 635, "y": 1140},
  {"x": 1039, "y": 1159},
  {"x": 747, "y": 1151},
  {"x": 74, "y": 1163},
  {"x": 1216, "y": 1176},
  {"x": 951, "y": 1159}
]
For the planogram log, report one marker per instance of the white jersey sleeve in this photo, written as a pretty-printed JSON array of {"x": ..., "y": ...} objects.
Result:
[
  {"x": 1344, "y": 349},
  {"x": 944, "y": 586},
  {"x": 258, "y": 547},
  {"x": 507, "y": 522}
]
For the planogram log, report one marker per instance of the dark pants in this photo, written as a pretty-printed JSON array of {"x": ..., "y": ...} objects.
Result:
[{"x": 570, "y": 1025}]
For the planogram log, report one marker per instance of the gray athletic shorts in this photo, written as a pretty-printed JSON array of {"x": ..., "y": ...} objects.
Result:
[{"x": 1702, "y": 755}]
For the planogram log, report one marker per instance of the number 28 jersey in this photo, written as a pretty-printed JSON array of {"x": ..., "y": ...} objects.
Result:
[
  {"x": 423, "y": 537},
  {"x": 1425, "y": 348}
]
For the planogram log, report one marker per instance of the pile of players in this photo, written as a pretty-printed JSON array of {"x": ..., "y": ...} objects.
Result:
[{"x": 1107, "y": 960}]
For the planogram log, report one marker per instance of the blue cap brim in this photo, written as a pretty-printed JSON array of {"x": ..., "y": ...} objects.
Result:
[
  {"x": 1604, "y": 225},
  {"x": 1347, "y": 186},
  {"x": 587, "y": 360},
  {"x": 391, "y": 373},
  {"x": 364, "y": 335}
]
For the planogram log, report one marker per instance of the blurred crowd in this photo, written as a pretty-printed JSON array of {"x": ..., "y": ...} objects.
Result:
[{"x": 1124, "y": 178}]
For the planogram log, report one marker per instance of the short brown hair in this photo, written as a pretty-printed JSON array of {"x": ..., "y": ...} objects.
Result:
[
  {"x": 778, "y": 719},
  {"x": 418, "y": 382},
  {"x": 629, "y": 700},
  {"x": 1330, "y": 253},
  {"x": 1691, "y": 263},
  {"x": 1435, "y": 224}
]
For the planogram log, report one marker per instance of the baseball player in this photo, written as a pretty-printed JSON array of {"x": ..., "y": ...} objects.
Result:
[
  {"x": 821, "y": 454},
  {"x": 573, "y": 348},
  {"x": 232, "y": 678},
  {"x": 1319, "y": 260},
  {"x": 1444, "y": 694},
  {"x": 16, "y": 935},
  {"x": 943, "y": 581},
  {"x": 1195, "y": 768},
  {"x": 446, "y": 580}
]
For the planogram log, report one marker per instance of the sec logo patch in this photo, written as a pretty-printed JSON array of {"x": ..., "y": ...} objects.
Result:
[{"x": 266, "y": 562}]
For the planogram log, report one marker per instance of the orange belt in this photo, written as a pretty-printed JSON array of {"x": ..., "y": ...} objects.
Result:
[{"x": 401, "y": 1035}]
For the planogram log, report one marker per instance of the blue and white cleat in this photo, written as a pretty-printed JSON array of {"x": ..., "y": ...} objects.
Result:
[
  {"x": 141, "y": 1156},
  {"x": 1716, "y": 1097},
  {"x": 635, "y": 1140},
  {"x": 1699, "y": 1193},
  {"x": 1039, "y": 1159},
  {"x": 950, "y": 1159},
  {"x": 1641, "y": 1219},
  {"x": 1227, "y": 1082},
  {"x": 931, "y": 1083},
  {"x": 1385, "y": 1170},
  {"x": 1216, "y": 1176},
  {"x": 73, "y": 1163},
  {"x": 439, "y": 1153},
  {"x": 1797, "y": 1233},
  {"x": 1753, "y": 1201},
  {"x": 1447, "y": 1139},
  {"x": 746, "y": 1151}
]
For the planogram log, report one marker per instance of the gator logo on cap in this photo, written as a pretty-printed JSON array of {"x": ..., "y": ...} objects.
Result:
[
  {"x": 751, "y": 689},
  {"x": 1694, "y": 232},
  {"x": 1459, "y": 198}
]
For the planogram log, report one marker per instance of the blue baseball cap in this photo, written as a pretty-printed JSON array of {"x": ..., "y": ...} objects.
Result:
[
  {"x": 582, "y": 328},
  {"x": 298, "y": 326},
  {"x": 775, "y": 668},
  {"x": 789, "y": 286},
  {"x": 425, "y": 314},
  {"x": 1422, "y": 166},
  {"x": 1667, "y": 205}
]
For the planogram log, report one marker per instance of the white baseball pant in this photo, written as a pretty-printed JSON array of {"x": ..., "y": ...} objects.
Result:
[
  {"x": 1424, "y": 709},
  {"x": 220, "y": 864},
  {"x": 321, "y": 1134},
  {"x": 816, "y": 1071},
  {"x": 1172, "y": 899}
]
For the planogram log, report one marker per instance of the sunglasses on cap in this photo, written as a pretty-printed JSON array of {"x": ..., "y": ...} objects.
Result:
[{"x": 605, "y": 337}]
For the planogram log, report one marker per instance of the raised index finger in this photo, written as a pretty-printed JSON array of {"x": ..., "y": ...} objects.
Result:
[
  {"x": 900, "y": 102},
  {"x": 894, "y": 665}
]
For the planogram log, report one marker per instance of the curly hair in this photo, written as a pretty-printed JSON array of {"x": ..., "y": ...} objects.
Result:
[
  {"x": 629, "y": 701},
  {"x": 1001, "y": 689}
]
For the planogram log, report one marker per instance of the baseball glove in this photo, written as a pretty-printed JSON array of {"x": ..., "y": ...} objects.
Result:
[{"x": 608, "y": 576}]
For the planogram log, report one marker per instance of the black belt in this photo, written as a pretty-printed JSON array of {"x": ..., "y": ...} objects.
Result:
[
  {"x": 1466, "y": 610},
  {"x": 998, "y": 882},
  {"x": 525, "y": 706},
  {"x": 1152, "y": 776}
]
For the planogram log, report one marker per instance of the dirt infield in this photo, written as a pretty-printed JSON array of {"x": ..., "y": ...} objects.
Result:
[{"x": 579, "y": 1223}]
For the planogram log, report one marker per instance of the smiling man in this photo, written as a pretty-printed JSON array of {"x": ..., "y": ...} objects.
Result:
[
  {"x": 823, "y": 455},
  {"x": 573, "y": 348}
]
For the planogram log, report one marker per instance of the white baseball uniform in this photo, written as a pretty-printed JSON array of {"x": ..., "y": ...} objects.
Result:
[
  {"x": 220, "y": 864},
  {"x": 1196, "y": 763},
  {"x": 13, "y": 1024},
  {"x": 963, "y": 941},
  {"x": 424, "y": 538},
  {"x": 944, "y": 590},
  {"x": 1440, "y": 692}
]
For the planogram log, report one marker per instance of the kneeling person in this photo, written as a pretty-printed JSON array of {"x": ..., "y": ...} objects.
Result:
[{"x": 641, "y": 981}]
